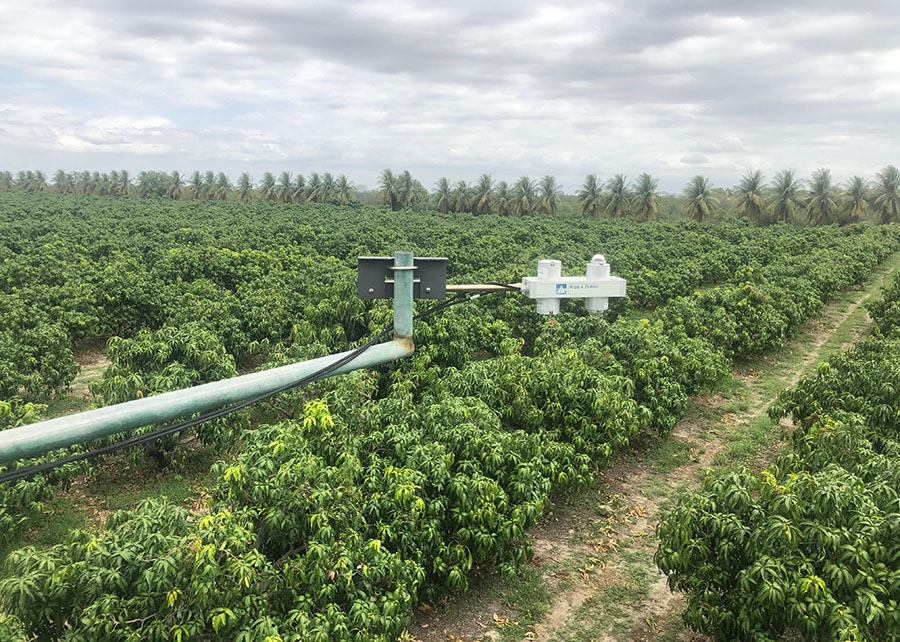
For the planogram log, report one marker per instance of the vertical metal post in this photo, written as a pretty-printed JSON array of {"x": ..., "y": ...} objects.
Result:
[{"x": 403, "y": 296}]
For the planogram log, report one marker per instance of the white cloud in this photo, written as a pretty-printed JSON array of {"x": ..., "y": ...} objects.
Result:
[{"x": 451, "y": 88}]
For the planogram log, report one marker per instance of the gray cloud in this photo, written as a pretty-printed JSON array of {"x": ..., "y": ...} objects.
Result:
[{"x": 452, "y": 88}]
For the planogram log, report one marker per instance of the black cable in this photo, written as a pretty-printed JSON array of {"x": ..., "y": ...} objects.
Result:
[
  {"x": 189, "y": 423},
  {"x": 30, "y": 471},
  {"x": 460, "y": 298},
  {"x": 505, "y": 286}
]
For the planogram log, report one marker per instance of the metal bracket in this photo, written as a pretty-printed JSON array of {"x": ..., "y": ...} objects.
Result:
[{"x": 376, "y": 277}]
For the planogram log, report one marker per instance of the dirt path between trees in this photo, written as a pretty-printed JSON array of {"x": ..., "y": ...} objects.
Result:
[{"x": 592, "y": 578}]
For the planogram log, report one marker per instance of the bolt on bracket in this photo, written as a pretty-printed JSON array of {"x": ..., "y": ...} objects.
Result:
[{"x": 376, "y": 277}]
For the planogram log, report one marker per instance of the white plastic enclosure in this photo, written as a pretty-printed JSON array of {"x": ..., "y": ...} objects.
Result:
[{"x": 596, "y": 287}]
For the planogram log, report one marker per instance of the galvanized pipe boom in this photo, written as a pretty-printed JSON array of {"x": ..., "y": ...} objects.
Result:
[{"x": 42, "y": 437}]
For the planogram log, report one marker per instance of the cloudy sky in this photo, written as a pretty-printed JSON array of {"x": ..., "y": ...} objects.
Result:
[{"x": 452, "y": 88}]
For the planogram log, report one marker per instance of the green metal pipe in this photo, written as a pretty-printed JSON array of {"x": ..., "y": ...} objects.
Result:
[
  {"x": 42, "y": 437},
  {"x": 36, "y": 439},
  {"x": 403, "y": 295}
]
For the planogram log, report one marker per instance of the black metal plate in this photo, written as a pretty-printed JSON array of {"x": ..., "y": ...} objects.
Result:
[{"x": 376, "y": 278}]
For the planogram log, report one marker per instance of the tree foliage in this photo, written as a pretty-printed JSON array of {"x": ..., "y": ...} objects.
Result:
[
  {"x": 590, "y": 196},
  {"x": 808, "y": 548},
  {"x": 700, "y": 201},
  {"x": 373, "y": 491},
  {"x": 887, "y": 195},
  {"x": 821, "y": 203},
  {"x": 785, "y": 201},
  {"x": 645, "y": 202},
  {"x": 618, "y": 197},
  {"x": 750, "y": 198}
]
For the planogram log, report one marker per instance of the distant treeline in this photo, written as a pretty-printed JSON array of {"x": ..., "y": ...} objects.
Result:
[{"x": 816, "y": 201}]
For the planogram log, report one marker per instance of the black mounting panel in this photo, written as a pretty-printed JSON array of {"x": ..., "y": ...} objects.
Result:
[{"x": 376, "y": 277}]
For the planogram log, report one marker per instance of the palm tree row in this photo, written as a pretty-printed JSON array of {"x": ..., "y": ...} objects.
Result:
[
  {"x": 318, "y": 189},
  {"x": 526, "y": 196},
  {"x": 785, "y": 198},
  {"x": 207, "y": 186},
  {"x": 620, "y": 199},
  {"x": 822, "y": 201},
  {"x": 287, "y": 189}
]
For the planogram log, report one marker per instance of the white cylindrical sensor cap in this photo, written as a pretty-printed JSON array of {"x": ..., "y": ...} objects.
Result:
[{"x": 549, "y": 269}]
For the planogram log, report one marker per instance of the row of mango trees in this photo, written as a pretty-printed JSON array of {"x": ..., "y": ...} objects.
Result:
[
  {"x": 195, "y": 292},
  {"x": 809, "y": 548},
  {"x": 393, "y": 485}
]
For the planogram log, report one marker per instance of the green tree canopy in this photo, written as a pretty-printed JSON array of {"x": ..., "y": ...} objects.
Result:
[
  {"x": 821, "y": 204},
  {"x": 700, "y": 201},
  {"x": 618, "y": 196},
  {"x": 590, "y": 196},
  {"x": 887, "y": 194},
  {"x": 645, "y": 202},
  {"x": 785, "y": 201},
  {"x": 751, "y": 201}
]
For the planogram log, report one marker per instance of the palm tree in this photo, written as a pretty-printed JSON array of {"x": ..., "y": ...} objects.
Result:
[
  {"x": 285, "y": 188},
  {"x": 101, "y": 184},
  {"x": 173, "y": 191},
  {"x": 329, "y": 188},
  {"x": 750, "y": 200},
  {"x": 551, "y": 194},
  {"x": 502, "y": 198},
  {"x": 145, "y": 184},
  {"x": 700, "y": 202},
  {"x": 267, "y": 187},
  {"x": 298, "y": 190},
  {"x": 461, "y": 197},
  {"x": 124, "y": 182},
  {"x": 195, "y": 185},
  {"x": 109, "y": 183},
  {"x": 314, "y": 188},
  {"x": 39, "y": 183},
  {"x": 245, "y": 187},
  {"x": 60, "y": 181},
  {"x": 83, "y": 182},
  {"x": 442, "y": 195},
  {"x": 786, "y": 200},
  {"x": 344, "y": 191},
  {"x": 482, "y": 194},
  {"x": 645, "y": 200},
  {"x": 223, "y": 187},
  {"x": 887, "y": 194},
  {"x": 524, "y": 196},
  {"x": 618, "y": 196},
  {"x": 387, "y": 189},
  {"x": 590, "y": 196},
  {"x": 405, "y": 187},
  {"x": 420, "y": 195},
  {"x": 209, "y": 185},
  {"x": 114, "y": 183},
  {"x": 821, "y": 203},
  {"x": 855, "y": 198},
  {"x": 6, "y": 180},
  {"x": 96, "y": 184}
]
